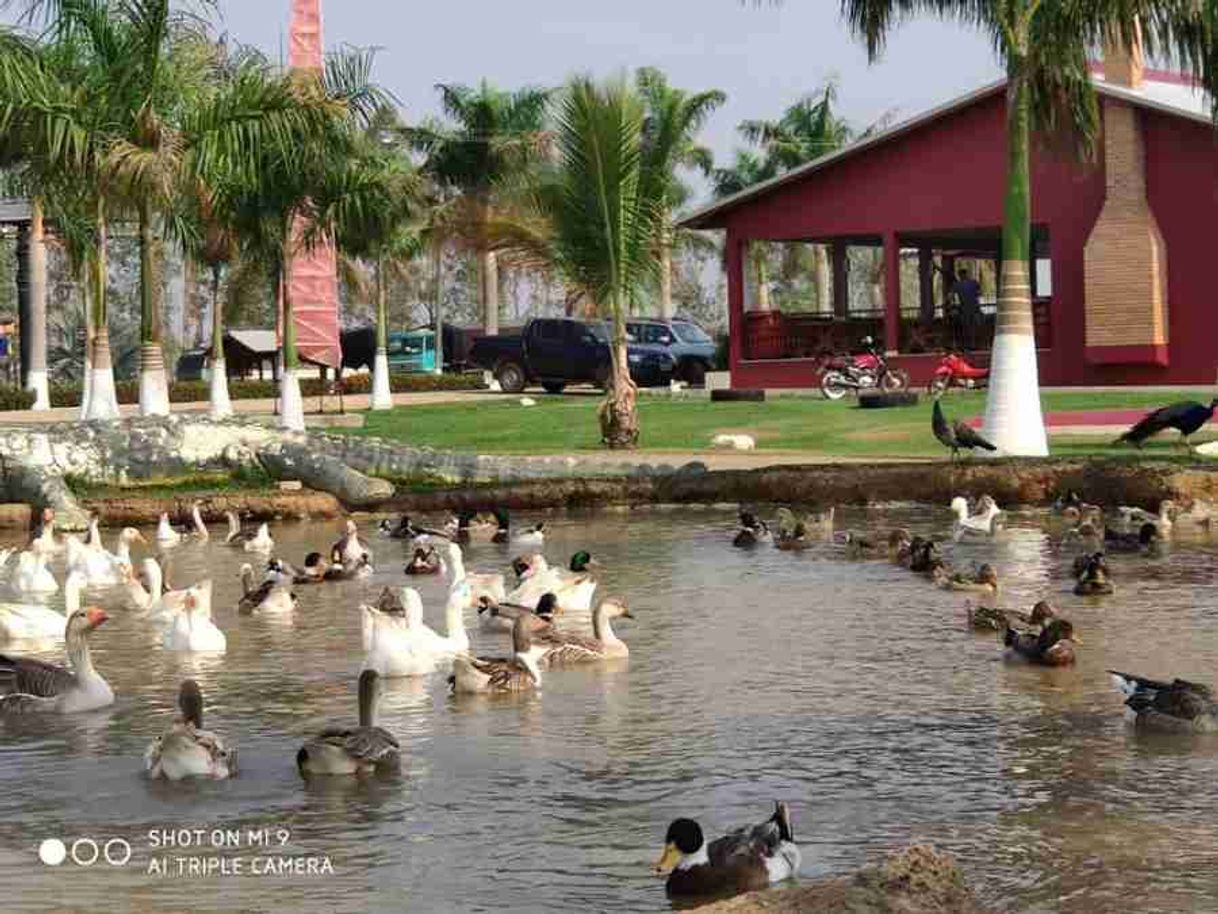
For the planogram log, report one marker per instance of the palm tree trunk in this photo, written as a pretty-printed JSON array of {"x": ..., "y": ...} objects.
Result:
[
  {"x": 103, "y": 399},
  {"x": 1013, "y": 421},
  {"x": 437, "y": 267},
  {"x": 382, "y": 397},
  {"x": 666, "y": 305},
  {"x": 221, "y": 405},
  {"x": 84, "y": 283},
  {"x": 488, "y": 282},
  {"x": 291, "y": 404},
  {"x": 36, "y": 270},
  {"x": 824, "y": 283},
  {"x": 761, "y": 277},
  {"x": 154, "y": 387},
  {"x": 618, "y": 413}
]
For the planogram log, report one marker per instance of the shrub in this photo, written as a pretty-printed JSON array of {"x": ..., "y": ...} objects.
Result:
[{"x": 15, "y": 398}]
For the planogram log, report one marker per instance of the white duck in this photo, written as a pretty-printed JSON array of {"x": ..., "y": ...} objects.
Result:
[
  {"x": 33, "y": 685},
  {"x": 166, "y": 536},
  {"x": 32, "y": 576},
  {"x": 99, "y": 567},
  {"x": 1135, "y": 517},
  {"x": 480, "y": 585},
  {"x": 272, "y": 597},
  {"x": 258, "y": 541},
  {"x": 192, "y": 628},
  {"x": 35, "y": 622},
  {"x": 186, "y": 750},
  {"x": 533, "y": 538},
  {"x": 396, "y": 642},
  {"x": 150, "y": 594},
  {"x": 981, "y": 522},
  {"x": 350, "y": 547}
]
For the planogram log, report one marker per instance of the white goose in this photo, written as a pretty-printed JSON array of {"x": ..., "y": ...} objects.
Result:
[
  {"x": 261, "y": 541},
  {"x": 166, "y": 536},
  {"x": 350, "y": 547},
  {"x": 150, "y": 595},
  {"x": 44, "y": 542},
  {"x": 394, "y": 643},
  {"x": 32, "y": 685},
  {"x": 258, "y": 541},
  {"x": 480, "y": 585},
  {"x": 99, "y": 567},
  {"x": 186, "y": 750},
  {"x": 200, "y": 531},
  {"x": 1134, "y": 517},
  {"x": 192, "y": 628},
  {"x": 35, "y": 622},
  {"x": 272, "y": 597},
  {"x": 32, "y": 576},
  {"x": 981, "y": 522}
]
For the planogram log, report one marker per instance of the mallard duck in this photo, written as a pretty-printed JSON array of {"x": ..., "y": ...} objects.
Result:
[
  {"x": 185, "y": 749},
  {"x": 573, "y": 588},
  {"x": 349, "y": 548},
  {"x": 1093, "y": 577},
  {"x": 365, "y": 749},
  {"x": 28, "y": 685},
  {"x": 272, "y": 597},
  {"x": 1173, "y": 706},
  {"x": 402, "y": 529},
  {"x": 425, "y": 561},
  {"x": 1146, "y": 540},
  {"x": 344, "y": 570},
  {"x": 1053, "y": 645},
  {"x": 192, "y": 629},
  {"x": 744, "y": 860},
  {"x": 36, "y": 622},
  {"x": 984, "y": 521},
  {"x": 812, "y": 523},
  {"x": 991, "y": 618},
  {"x": 500, "y": 617},
  {"x": 312, "y": 572},
  {"x": 1086, "y": 536},
  {"x": 752, "y": 531},
  {"x": 924, "y": 557},
  {"x": 569, "y": 647},
  {"x": 983, "y": 580},
  {"x": 470, "y": 526},
  {"x": 857, "y": 545},
  {"x": 518, "y": 673}
]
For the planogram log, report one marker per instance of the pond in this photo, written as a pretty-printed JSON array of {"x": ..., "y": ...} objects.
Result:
[{"x": 851, "y": 689}]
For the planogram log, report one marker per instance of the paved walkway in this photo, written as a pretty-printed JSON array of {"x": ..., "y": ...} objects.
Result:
[{"x": 1084, "y": 422}]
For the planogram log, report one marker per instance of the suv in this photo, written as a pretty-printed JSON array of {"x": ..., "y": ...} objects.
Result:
[{"x": 691, "y": 347}]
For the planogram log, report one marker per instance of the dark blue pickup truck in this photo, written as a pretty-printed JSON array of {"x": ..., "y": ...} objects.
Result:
[{"x": 556, "y": 352}]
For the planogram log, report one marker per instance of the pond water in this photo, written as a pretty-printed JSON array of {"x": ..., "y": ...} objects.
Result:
[{"x": 853, "y": 690}]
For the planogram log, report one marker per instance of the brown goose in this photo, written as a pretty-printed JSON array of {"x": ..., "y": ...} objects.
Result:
[
  {"x": 366, "y": 749},
  {"x": 186, "y": 750},
  {"x": 570, "y": 647},
  {"x": 27, "y": 684}
]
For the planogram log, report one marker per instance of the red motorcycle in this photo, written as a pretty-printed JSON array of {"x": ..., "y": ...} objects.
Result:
[
  {"x": 954, "y": 370},
  {"x": 867, "y": 371}
]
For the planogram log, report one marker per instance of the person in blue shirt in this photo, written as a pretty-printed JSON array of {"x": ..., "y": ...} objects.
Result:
[{"x": 967, "y": 292}]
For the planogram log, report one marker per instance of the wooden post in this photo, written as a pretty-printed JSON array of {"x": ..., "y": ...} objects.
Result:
[
  {"x": 926, "y": 284},
  {"x": 735, "y": 300},
  {"x": 892, "y": 292},
  {"x": 841, "y": 280}
]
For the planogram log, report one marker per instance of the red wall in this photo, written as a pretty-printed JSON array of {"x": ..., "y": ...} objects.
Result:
[{"x": 951, "y": 173}]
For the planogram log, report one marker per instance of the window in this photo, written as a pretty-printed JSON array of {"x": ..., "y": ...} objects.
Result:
[{"x": 690, "y": 333}]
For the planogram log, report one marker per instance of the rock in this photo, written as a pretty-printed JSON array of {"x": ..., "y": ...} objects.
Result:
[
  {"x": 290, "y": 485},
  {"x": 15, "y": 516},
  {"x": 324, "y": 473},
  {"x": 917, "y": 880}
]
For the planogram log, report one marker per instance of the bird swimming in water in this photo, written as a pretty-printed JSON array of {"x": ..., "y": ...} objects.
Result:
[
  {"x": 1186, "y": 417},
  {"x": 956, "y": 436}
]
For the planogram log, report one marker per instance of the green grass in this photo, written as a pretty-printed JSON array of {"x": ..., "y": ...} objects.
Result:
[
  {"x": 220, "y": 482},
  {"x": 568, "y": 424}
]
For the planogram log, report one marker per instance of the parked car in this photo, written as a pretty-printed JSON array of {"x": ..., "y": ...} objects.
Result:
[
  {"x": 412, "y": 351},
  {"x": 692, "y": 348},
  {"x": 560, "y": 351},
  {"x": 190, "y": 365}
]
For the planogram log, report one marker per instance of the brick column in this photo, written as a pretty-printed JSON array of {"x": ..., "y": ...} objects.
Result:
[
  {"x": 892, "y": 292},
  {"x": 734, "y": 264}
]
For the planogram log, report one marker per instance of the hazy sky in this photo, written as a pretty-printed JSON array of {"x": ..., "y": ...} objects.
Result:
[{"x": 763, "y": 55}]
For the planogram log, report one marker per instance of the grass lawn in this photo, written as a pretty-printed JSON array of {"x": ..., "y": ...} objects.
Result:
[{"x": 566, "y": 424}]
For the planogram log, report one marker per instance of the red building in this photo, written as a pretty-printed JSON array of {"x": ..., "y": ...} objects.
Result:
[{"x": 1125, "y": 246}]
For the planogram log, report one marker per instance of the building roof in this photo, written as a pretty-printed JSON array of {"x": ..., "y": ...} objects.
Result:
[
  {"x": 1164, "y": 92},
  {"x": 260, "y": 342}
]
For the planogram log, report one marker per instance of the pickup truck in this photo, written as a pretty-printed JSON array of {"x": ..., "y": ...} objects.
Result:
[{"x": 559, "y": 351}]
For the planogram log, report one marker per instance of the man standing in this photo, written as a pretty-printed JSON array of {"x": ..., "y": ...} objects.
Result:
[{"x": 968, "y": 296}]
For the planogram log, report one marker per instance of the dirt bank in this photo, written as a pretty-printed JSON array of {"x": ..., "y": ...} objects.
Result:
[
  {"x": 141, "y": 510},
  {"x": 918, "y": 880}
]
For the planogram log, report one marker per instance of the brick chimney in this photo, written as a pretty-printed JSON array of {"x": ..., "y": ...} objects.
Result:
[{"x": 1124, "y": 66}]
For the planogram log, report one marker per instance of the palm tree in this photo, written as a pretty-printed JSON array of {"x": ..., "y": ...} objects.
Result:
[
  {"x": 746, "y": 170},
  {"x": 670, "y": 128},
  {"x": 1044, "y": 47},
  {"x": 493, "y": 138}
]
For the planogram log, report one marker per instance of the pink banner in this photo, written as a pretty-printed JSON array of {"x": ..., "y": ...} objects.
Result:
[{"x": 314, "y": 273}]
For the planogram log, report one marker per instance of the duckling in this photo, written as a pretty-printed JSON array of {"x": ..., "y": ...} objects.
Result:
[
  {"x": 362, "y": 750},
  {"x": 752, "y": 531},
  {"x": 1053, "y": 645},
  {"x": 1093, "y": 580},
  {"x": 425, "y": 561},
  {"x": 991, "y": 618},
  {"x": 1173, "y": 706},
  {"x": 271, "y": 597},
  {"x": 518, "y": 673},
  {"x": 1147, "y": 540},
  {"x": 983, "y": 580},
  {"x": 744, "y": 860},
  {"x": 186, "y": 750}
]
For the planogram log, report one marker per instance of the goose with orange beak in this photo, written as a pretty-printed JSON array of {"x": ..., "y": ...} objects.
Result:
[{"x": 29, "y": 685}]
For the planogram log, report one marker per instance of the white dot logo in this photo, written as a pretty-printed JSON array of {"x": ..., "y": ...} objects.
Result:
[{"x": 52, "y": 852}]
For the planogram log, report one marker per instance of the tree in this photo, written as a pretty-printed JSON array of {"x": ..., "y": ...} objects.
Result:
[
  {"x": 670, "y": 127},
  {"x": 1044, "y": 48},
  {"x": 494, "y": 137},
  {"x": 746, "y": 170}
]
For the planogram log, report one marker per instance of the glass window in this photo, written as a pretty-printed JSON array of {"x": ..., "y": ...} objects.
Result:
[
  {"x": 690, "y": 333},
  {"x": 600, "y": 331}
]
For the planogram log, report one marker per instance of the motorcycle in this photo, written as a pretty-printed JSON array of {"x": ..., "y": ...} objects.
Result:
[
  {"x": 954, "y": 370},
  {"x": 867, "y": 371}
]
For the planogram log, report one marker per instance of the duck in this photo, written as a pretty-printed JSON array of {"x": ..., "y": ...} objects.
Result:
[
  {"x": 44, "y": 541},
  {"x": 793, "y": 539},
  {"x": 924, "y": 556},
  {"x": 36, "y": 622},
  {"x": 166, "y": 536},
  {"x": 32, "y": 576},
  {"x": 500, "y": 617},
  {"x": 501, "y": 675},
  {"x": 185, "y": 749},
  {"x": 857, "y": 545},
  {"x": 425, "y": 562},
  {"x": 533, "y": 538},
  {"x": 1147, "y": 540},
  {"x": 1173, "y": 706},
  {"x": 812, "y": 523},
  {"x": 983, "y": 580},
  {"x": 348, "y": 571},
  {"x": 468, "y": 526},
  {"x": 405, "y": 529},
  {"x": 477, "y": 584},
  {"x": 349, "y": 548},
  {"x": 1131, "y": 516},
  {"x": 257, "y": 540},
  {"x": 99, "y": 567},
  {"x": 396, "y": 641},
  {"x": 573, "y": 588},
  {"x": 29, "y": 685},
  {"x": 897, "y": 545},
  {"x": 313, "y": 571},
  {"x": 568, "y": 647},
  {"x": 357, "y": 751},
  {"x": 991, "y": 618},
  {"x": 752, "y": 531},
  {"x": 1093, "y": 578},
  {"x": 193, "y": 630},
  {"x": 744, "y": 860},
  {"x": 272, "y": 597},
  {"x": 984, "y": 521},
  {"x": 1086, "y": 536},
  {"x": 1053, "y": 645},
  {"x": 150, "y": 594}
]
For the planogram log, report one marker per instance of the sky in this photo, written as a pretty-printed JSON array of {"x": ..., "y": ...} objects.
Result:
[{"x": 764, "y": 55}]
